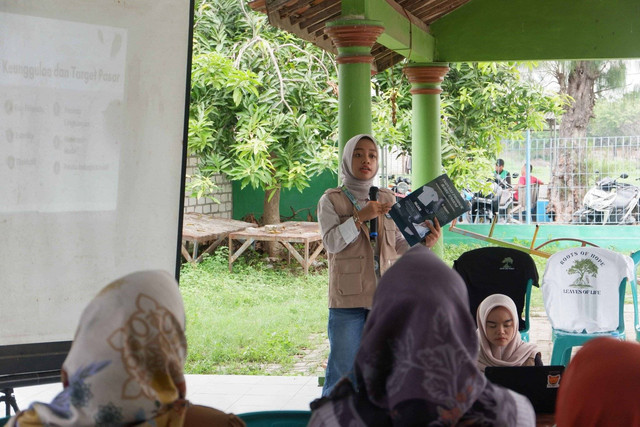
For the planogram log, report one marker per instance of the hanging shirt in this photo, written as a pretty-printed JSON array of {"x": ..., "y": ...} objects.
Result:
[{"x": 580, "y": 288}]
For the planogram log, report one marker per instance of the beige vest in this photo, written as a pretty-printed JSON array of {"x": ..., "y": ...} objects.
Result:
[{"x": 352, "y": 279}]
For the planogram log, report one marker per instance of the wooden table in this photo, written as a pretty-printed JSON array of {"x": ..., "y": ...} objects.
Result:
[
  {"x": 201, "y": 228},
  {"x": 285, "y": 233}
]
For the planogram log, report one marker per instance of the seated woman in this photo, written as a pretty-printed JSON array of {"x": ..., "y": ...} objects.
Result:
[
  {"x": 601, "y": 386},
  {"x": 500, "y": 342},
  {"x": 416, "y": 364},
  {"x": 125, "y": 366}
]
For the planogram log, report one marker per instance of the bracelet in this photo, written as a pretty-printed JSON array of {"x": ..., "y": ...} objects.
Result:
[{"x": 356, "y": 218}]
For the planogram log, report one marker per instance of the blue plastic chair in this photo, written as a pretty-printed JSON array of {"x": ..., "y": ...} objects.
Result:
[
  {"x": 276, "y": 418},
  {"x": 564, "y": 341}
]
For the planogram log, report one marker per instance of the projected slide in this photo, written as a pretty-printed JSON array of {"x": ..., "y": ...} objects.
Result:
[{"x": 61, "y": 114}]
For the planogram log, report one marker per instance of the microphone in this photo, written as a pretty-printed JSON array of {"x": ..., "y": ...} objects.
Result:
[{"x": 373, "y": 224}]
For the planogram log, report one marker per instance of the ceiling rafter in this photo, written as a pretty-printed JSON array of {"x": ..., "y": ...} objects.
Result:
[{"x": 308, "y": 18}]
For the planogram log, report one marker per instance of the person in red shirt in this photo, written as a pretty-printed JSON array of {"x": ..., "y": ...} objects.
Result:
[{"x": 522, "y": 180}]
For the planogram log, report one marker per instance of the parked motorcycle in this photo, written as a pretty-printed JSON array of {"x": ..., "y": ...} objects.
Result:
[
  {"x": 400, "y": 186},
  {"x": 609, "y": 202},
  {"x": 499, "y": 201}
]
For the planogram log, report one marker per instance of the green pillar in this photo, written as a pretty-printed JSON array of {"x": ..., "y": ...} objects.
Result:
[
  {"x": 354, "y": 39},
  {"x": 426, "y": 158}
]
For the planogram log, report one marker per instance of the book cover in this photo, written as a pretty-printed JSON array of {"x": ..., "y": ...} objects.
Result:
[{"x": 438, "y": 198}]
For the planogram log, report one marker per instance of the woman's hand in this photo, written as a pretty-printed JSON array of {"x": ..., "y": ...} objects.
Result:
[
  {"x": 373, "y": 209},
  {"x": 432, "y": 238}
]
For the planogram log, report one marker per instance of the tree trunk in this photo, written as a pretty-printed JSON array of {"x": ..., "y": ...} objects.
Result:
[
  {"x": 271, "y": 215},
  {"x": 567, "y": 186}
]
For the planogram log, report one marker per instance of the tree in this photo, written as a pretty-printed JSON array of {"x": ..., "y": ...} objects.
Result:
[
  {"x": 263, "y": 103},
  {"x": 482, "y": 103},
  {"x": 264, "y": 106},
  {"x": 582, "y": 82},
  {"x": 583, "y": 268},
  {"x": 616, "y": 117}
]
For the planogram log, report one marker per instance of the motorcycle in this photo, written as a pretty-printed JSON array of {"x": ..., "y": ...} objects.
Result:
[
  {"x": 609, "y": 202},
  {"x": 400, "y": 186},
  {"x": 499, "y": 201}
]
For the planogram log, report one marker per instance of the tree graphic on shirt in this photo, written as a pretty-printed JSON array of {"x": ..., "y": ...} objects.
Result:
[
  {"x": 584, "y": 268},
  {"x": 507, "y": 263}
]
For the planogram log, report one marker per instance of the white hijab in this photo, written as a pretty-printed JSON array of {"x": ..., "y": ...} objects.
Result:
[
  {"x": 516, "y": 352},
  {"x": 125, "y": 366},
  {"x": 358, "y": 187}
]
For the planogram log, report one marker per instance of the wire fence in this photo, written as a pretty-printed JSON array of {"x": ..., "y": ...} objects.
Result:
[
  {"x": 581, "y": 181},
  {"x": 592, "y": 180}
]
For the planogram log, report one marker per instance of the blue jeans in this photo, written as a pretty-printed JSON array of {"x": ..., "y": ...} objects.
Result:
[{"x": 345, "y": 331}]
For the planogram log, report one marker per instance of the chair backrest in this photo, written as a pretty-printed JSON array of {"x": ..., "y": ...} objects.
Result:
[
  {"x": 497, "y": 270},
  {"x": 581, "y": 289},
  {"x": 522, "y": 195},
  {"x": 635, "y": 256}
]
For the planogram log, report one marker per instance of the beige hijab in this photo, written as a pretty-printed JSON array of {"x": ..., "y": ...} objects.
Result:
[
  {"x": 516, "y": 352},
  {"x": 125, "y": 366}
]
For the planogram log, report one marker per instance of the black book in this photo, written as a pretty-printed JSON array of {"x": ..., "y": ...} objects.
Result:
[{"x": 438, "y": 198}]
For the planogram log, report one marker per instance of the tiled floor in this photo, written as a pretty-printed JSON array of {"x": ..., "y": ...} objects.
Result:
[
  {"x": 230, "y": 393},
  {"x": 247, "y": 393}
]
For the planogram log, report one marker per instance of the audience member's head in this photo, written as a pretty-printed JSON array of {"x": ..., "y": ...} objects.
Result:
[
  {"x": 417, "y": 359},
  {"x": 523, "y": 171},
  {"x": 601, "y": 386},
  {"x": 125, "y": 366},
  {"x": 500, "y": 341}
]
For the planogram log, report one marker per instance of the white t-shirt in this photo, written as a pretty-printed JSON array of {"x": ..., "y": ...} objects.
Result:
[{"x": 580, "y": 288}]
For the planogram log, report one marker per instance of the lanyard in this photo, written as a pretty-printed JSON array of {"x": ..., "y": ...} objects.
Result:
[
  {"x": 375, "y": 247},
  {"x": 346, "y": 191}
]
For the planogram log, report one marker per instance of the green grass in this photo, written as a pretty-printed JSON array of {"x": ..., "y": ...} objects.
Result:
[
  {"x": 253, "y": 320},
  {"x": 263, "y": 317}
]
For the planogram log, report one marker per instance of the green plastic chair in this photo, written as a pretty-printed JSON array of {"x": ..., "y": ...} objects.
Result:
[
  {"x": 564, "y": 341},
  {"x": 634, "y": 293},
  {"x": 276, "y": 418}
]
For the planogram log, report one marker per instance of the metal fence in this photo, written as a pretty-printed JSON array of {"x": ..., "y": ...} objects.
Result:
[
  {"x": 593, "y": 175},
  {"x": 595, "y": 178}
]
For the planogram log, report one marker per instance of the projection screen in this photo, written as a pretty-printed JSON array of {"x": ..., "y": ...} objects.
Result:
[{"x": 93, "y": 96}]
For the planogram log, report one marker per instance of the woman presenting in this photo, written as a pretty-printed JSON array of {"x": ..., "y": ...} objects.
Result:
[{"x": 343, "y": 214}]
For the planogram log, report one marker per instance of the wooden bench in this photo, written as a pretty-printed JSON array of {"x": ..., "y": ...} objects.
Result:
[
  {"x": 201, "y": 229},
  {"x": 285, "y": 233}
]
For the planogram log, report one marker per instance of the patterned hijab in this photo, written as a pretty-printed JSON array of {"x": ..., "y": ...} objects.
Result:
[
  {"x": 417, "y": 358},
  {"x": 601, "y": 386},
  {"x": 358, "y": 187},
  {"x": 516, "y": 352},
  {"x": 125, "y": 366}
]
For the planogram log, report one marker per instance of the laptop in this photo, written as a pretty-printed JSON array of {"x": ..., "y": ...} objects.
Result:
[{"x": 538, "y": 383}]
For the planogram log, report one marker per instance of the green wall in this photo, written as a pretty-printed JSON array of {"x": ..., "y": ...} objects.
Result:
[
  {"x": 249, "y": 201},
  {"x": 623, "y": 238}
]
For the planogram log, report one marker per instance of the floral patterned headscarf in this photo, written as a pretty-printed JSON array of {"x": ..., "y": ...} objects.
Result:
[
  {"x": 125, "y": 366},
  {"x": 417, "y": 358}
]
